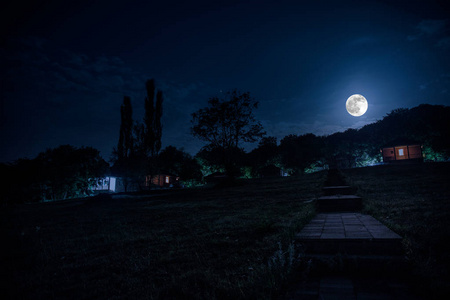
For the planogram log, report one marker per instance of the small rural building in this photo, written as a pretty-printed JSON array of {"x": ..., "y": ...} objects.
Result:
[
  {"x": 402, "y": 153},
  {"x": 106, "y": 184},
  {"x": 162, "y": 180},
  {"x": 114, "y": 184}
]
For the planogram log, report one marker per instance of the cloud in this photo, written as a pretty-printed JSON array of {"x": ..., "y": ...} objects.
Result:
[
  {"x": 439, "y": 83},
  {"x": 58, "y": 96},
  {"x": 54, "y": 96},
  {"x": 41, "y": 66},
  {"x": 444, "y": 43},
  {"x": 428, "y": 28}
]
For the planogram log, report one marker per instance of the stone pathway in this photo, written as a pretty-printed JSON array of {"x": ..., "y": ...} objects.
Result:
[
  {"x": 352, "y": 288},
  {"x": 346, "y": 226},
  {"x": 349, "y": 233},
  {"x": 353, "y": 254}
]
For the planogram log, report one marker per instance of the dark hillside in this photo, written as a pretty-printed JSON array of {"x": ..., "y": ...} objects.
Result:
[
  {"x": 414, "y": 201},
  {"x": 207, "y": 243},
  {"x": 218, "y": 243},
  {"x": 427, "y": 125}
]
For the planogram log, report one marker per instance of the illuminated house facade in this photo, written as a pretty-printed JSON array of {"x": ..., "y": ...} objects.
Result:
[
  {"x": 114, "y": 184},
  {"x": 107, "y": 184},
  {"x": 402, "y": 153},
  {"x": 162, "y": 180}
]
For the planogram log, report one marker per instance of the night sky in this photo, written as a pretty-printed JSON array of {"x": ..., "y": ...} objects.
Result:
[{"x": 66, "y": 65}]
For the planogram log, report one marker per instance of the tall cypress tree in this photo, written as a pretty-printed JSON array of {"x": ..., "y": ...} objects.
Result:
[
  {"x": 152, "y": 119},
  {"x": 139, "y": 143},
  {"x": 149, "y": 135},
  {"x": 157, "y": 121},
  {"x": 125, "y": 144}
]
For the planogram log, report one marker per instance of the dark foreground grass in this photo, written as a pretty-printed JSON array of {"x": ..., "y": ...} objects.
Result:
[
  {"x": 414, "y": 201},
  {"x": 232, "y": 242}
]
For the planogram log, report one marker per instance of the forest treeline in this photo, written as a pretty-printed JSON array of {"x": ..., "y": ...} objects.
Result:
[
  {"x": 427, "y": 125},
  {"x": 67, "y": 172}
]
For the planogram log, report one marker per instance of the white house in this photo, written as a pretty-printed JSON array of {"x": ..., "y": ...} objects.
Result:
[{"x": 107, "y": 184}]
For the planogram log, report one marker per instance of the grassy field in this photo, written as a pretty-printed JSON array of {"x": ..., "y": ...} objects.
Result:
[
  {"x": 230, "y": 242},
  {"x": 414, "y": 201},
  {"x": 220, "y": 243}
]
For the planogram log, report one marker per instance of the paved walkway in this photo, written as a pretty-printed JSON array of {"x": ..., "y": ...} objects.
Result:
[
  {"x": 353, "y": 254},
  {"x": 351, "y": 288},
  {"x": 348, "y": 225}
]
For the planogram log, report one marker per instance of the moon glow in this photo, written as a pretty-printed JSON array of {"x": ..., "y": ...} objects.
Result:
[{"x": 356, "y": 105}]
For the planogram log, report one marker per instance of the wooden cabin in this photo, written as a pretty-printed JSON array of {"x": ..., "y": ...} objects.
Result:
[{"x": 402, "y": 153}]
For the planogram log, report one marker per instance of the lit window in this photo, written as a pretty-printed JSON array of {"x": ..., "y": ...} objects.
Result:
[
  {"x": 400, "y": 152},
  {"x": 167, "y": 179}
]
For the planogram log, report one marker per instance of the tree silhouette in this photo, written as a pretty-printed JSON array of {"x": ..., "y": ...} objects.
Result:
[
  {"x": 226, "y": 123},
  {"x": 139, "y": 143},
  {"x": 149, "y": 135},
  {"x": 157, "y": 126},
  {"x": 265, "y": 156},
  {"x": 152, "y": 119},
  {"x": 125, "y": 144},
  {"x": 60, "y": 173},
  {"x": 177, "y": 162},
  {"x": 299, "y": 152},
  {"x": 124, "y": 152}
]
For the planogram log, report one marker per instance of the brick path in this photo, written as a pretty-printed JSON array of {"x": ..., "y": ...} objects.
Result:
[
  {"x": 349, "y": 225},
  {"x": 357, "y": 256}
]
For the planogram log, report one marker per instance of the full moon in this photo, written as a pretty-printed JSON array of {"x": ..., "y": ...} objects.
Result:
[{"x": 356, "y": 105}]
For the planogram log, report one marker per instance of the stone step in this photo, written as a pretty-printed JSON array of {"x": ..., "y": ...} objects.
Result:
[
  {"x": 353, "y": 246},
  {"x": 348, "y": 234},
  {"x": 337, "y": 203},
  {"x": 352, "y": 287},
  {"x": 337, "y": 190},
  {"x": 358, "y": 265}
]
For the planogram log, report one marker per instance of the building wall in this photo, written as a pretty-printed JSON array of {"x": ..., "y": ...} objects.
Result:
[
  {"x": 399, "y": 153},
  {"x": 415, "y": 152},
  {"x": 117, "y": 184},
  {"x": 162, "y": 180},
  {"x": 388, "y": 154},
  {"x": 106, "y": 184}
]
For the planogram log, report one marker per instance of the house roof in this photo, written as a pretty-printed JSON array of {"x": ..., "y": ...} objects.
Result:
[{"x": 401, "y": 142}]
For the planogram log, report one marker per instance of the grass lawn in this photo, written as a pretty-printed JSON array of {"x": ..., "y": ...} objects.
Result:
[
  {"x": 222, "y": 243},
  {"x": 414, "y": 201},
  {"x": 203, "y": 243}
]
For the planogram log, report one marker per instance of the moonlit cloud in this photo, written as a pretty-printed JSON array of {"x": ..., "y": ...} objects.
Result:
[
  {"x": 428, "y": 28},
  {"x": 41, "y": 65},
  {"x": 50, "y": 88},
  {"x": 87, "y": 91},
  {"x": 444, "y": 43},
  {"x": 65, "y": 82}
]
